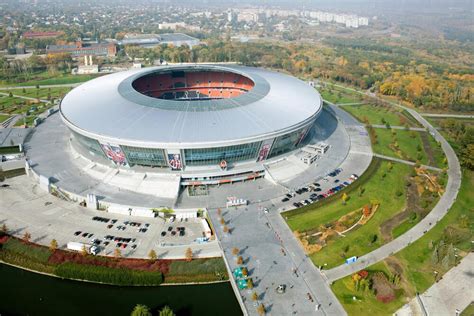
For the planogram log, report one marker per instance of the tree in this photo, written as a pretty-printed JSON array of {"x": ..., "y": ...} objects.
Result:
[
  {"x": 152, "y": 255},
  {"x": 188, "y": 254},
  {"x": 166, "y": 311},
  {"x": 344, "y": 198},
  {"x": 222, "y": 220},
  {"x": 225, "y": 229},
  {"x": 84, "y": 250},
  {"x": 240, "y": 260},
  {"x": 235, "y": 251},
  {"x": 26, "y": 237},
  {"x": 261, "y": 309},
  {"x": 117, "y": 253},
  {"x": 249, "y": 283},
  {"x": 4, "y": 228},
  {"x": 219, "y": 212},
  {"x": 53, "y": 245},
  {"x": 254, "y": 296},
  {"x": 245, "y": 271},
  {"x": 141, "y": 310}
]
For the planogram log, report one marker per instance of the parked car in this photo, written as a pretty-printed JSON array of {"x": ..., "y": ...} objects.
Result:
[
  {"x": 285, "y": 199},
  {"x": 163, "y": 234},
  {"x": 77, "y": 233}
]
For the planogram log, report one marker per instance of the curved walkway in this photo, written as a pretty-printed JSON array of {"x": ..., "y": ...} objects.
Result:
[
  {"x": 452, "y": 293},
  {"x": 436, "y": 214},
  {"x": 406, "y": 162}
]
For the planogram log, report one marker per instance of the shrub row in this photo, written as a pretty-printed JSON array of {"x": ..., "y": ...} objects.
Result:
[
  {"x": 29, "y": 263},
  {"x": 108, "y": 275}
]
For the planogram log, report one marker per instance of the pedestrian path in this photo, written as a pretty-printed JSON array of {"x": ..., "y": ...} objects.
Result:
[
  {"x": 436, "y": 214},
  {"x": 449, "y": 296}
]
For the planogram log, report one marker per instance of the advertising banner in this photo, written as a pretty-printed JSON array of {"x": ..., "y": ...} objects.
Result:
[
  {"x": 174, "y": 160},
  {"x": 115, "y": 153},
  {"x": 264, "y": 149}
]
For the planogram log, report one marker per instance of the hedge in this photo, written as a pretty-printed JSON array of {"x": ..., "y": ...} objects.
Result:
[{"x": 108, "y": 275}]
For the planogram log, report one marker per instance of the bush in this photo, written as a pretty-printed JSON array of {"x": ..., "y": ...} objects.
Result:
[{"x": 108, "y": 275}]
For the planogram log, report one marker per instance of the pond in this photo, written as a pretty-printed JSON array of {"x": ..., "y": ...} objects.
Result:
[{"x": 27, "y": 293}]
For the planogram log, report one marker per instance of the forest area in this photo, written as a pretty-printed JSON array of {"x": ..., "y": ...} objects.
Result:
[{"x": 430, "y": 76}]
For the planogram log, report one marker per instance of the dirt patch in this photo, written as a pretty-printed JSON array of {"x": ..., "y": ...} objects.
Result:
[
  {"x": 387, "y": 226},
  {"x": 395, "y": 266},
  {"x": 427, "y": 147},
  {"x": 413, "y": 205}
]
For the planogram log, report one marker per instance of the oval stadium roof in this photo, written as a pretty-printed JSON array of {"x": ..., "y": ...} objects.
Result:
[{"x": 110, "y": 107}]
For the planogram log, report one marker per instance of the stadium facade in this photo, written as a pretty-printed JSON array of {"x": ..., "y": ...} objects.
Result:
[{"x": 209, "y": 123}]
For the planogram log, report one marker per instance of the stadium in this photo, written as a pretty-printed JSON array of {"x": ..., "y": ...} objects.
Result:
[{"x": 208, "y": 123}]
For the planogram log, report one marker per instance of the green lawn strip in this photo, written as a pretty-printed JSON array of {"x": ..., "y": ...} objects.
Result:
[
  {"x": 469, "y": 310},
  {"x": 374, "y": 187},
  {"x": 45, "y": 78},
  {"x": 337, "y": 96},
  {"x": 42, "y": 93},
  {"x": 375, "y": 115},
  {"x": 455, "y": 228},
  {"x": 404, "y": 227},
  {"x": 438, "y": 153},
  {"x": 10, "y": 150},
  {"x": 408, "y": 141},
  {"x": 365, "y": 303},
  {"x": 366, "y": 237},
  {"x": 3, "y": 117},
  {"x": 197, "y": 270},
  {"x": 108, "y": 275},
  {"x": 37, "y": 253}
]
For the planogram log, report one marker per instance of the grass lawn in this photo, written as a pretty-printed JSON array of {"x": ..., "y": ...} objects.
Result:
[
  {"x": 42, "y": 93},
  {"x": 359, "y": 241},
  {"x": 40, "y": 254},
  {"x": 469, "y": 310},
  {"x": 416, "y": 259},
  {"x": 338, "y": 96},
  {"x": 46, "y": 78},
  {"x": 436, "y": 121},
  {"x": 3, "y": 117},
  {"x": 196, "y": 270},
  {"x": 409, "y": 143},
  {"x": 404, "y": 227},
  {"x": 438, "y": 154},
  {"x": 376, "y": 115}
]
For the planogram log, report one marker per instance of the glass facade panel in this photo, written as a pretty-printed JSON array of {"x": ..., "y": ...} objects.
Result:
[
  {"x": 286, "y": 143},
  {"x": 213, "y": 156},
  {"x": 145, "y": 156},
  {"x": 88, "y": 143}
]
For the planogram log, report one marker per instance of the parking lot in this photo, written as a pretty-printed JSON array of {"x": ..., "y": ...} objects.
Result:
[
  {"x": 314, "y": 192},
  {"x": 26, "y": 208}
]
